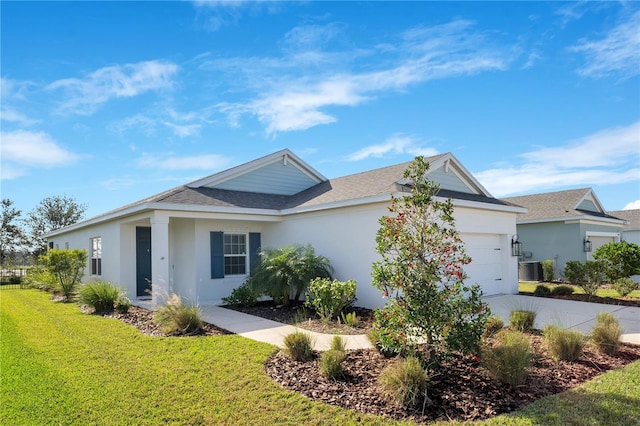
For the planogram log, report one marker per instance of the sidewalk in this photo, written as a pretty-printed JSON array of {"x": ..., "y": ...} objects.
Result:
[{"x": 563, "y": 313}]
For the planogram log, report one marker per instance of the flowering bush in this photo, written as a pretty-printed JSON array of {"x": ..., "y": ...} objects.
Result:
[{"x": 422, "y": 273}]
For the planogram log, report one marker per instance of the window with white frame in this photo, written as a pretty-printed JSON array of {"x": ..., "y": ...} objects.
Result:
[
  {"x": 96, "y": 256},
  {"x": 235, "y": 254}
]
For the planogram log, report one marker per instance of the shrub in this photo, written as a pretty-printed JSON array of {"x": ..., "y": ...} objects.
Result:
[
  {"x": 330, "y": 297},
  {"x": 67, "y": 266},
  {"x": 624, "y": 286},
  {"x": 574, "y": 272},
  {"x": 122, "y": 304},
  {"x": 100, "y": 295},
  {"x": 331, "y": 364},
  {"x": 606, "y": 333},
  {"x": 564, "y": 344},
  {"x": 620, "y": 260},
  {"x": 404, "y": 381},
  {"x": 562, "y": 290},
  {"x": 522, "y": 320},
  {"x": 548, "y": 272},
  {"x": 594, "y": 270},
  {"x": 389, "y": 334},
  {"x": 15, "y": 279},
  {"x": 178, "y": 317},
  {"x": 39, "y": 277},
  {"x": 542, "y": 291},
  {"x": 288, "y": 270},
  {"x": 493, "y": 326},
  {"x": 421, "y": 271},
  {"x": 299, "y": 346},
  {"x": 338, "y": 343},
  {"x": 510, "y": 358},
  {"x": 243, "y": 295},
  {"x": 351, "y": 319}
]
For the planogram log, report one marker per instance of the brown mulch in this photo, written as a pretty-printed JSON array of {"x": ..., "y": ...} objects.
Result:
[
  {"x": 142, "y": 319},
  {"x": 592, "y": 299},
  {"x": 461, "y": 390},
  {"x": 299, "y": 315}
]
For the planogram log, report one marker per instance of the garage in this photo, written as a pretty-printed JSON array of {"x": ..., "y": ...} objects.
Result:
[{"x": 485, "y": 268}]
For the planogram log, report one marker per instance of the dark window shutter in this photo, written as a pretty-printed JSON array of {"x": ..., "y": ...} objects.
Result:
[
  {"x": 217, "y": 255},
  {"x": 254, "y": 250}
]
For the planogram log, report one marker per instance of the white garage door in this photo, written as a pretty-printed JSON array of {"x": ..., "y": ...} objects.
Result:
[
  {"x": 598, "y": 241},
  {"x": 485, "y": 268}
]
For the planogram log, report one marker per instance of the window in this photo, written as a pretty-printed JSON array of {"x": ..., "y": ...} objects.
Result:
[
  {"x": 96, "y": 256},
  {"x": 235, "y": 254}
]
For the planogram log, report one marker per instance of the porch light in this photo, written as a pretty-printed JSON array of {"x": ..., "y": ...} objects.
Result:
[
  {"x": 587, "y": 245},
  {"x": 516, "y": 246}
]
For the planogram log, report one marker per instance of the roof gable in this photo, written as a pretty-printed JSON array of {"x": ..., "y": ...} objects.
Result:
[
  {"x": 451, "y": 175},
  {"x": 560, "y": 205},
  {"x": 281, "y": 173}
]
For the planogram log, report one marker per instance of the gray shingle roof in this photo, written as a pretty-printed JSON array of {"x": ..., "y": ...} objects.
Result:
[
  {"x": 554, "y": 205},
  {"x": 631, "y": 216}
]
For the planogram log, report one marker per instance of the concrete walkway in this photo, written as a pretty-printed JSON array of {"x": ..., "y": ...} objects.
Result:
[{"x": 563, "y": 313}]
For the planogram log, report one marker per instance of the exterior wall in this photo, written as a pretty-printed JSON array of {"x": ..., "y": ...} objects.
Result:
[
  {"x": 347, "y": 237},
  {"x": 81, "y": 239}
]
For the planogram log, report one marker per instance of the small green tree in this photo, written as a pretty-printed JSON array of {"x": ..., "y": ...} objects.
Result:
[
  {"x": 287, "y": 271},
  {"x": 548, "y": 267},
  {"x": 67, "y": 266},
  {"x": 621, "y": 260},
  {"x": 430, "y": 310}
]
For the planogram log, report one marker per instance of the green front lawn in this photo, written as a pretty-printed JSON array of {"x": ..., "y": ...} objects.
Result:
[
  {"x": 530, "y": 287},
  {"x": 59, "y": 366}
]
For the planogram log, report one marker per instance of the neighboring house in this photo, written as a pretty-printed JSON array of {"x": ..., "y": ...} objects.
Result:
[
  {"x": 631, "y": 227},
  {"x": 564, "y": 226},
  {"x": 201, "y": 239}
]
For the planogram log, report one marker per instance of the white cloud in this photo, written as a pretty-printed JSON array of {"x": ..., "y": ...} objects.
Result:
[
  {"x": 184, "y": 130},
  {"x": 169, "y": 161},
  {"x": 634, "y": 205},
  {"x": 397, "y": 144},
  {"x": 22, "y": 150},
  {"x": 13, "y": 116},
  {"x": 287, "y": 102},
  {"x": 617, "y": 53},
  {"x": 84, "y": 96},
  {"x": 610, "y": 156}
]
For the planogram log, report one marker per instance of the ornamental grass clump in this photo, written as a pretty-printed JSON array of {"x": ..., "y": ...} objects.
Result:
[
  {"x": 562, "y": 290},
  {"x": 299, "y": 346},
  {"x": 100, "y": 295},
  {"x": 404, "y": 381},
  {"x": 331, "y": 364},
  {"x": 606, "y": 333},
  {"x": 510, "y": 358},
  {"x": 522, "y": 320},
  {"x": 178, "y": 317},
  {"x": 493, "y": 326},
  {"x": 565, "y": 345}
]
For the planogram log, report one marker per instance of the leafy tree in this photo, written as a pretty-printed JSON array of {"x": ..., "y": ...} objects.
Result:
[
  {"x": 288, "y": 270},
  {"x": 52, "y": 213},
  {"x": 67, "y": 266},
  {"x": 621, "y": 259},
  {"x": 431, "y": 311},
  {"x": 11, "y": 234}
]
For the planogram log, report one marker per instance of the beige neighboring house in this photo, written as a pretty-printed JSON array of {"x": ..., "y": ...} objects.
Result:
[{"x": 201, "y": 239}]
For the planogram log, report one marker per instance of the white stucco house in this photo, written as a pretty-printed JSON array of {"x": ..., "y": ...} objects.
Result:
[{"x": 199, "y": 240}]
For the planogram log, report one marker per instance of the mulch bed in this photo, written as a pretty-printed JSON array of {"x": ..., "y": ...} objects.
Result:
[
  {"x": 462, "y": 390},
  {"x": 592, "y": 299}
]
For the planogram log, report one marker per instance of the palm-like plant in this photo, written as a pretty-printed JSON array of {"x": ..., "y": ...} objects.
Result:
[{"x": 288, "y": 271}]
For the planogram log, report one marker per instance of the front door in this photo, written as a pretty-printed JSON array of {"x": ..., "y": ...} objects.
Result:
[{"x": 143, "y": 261}]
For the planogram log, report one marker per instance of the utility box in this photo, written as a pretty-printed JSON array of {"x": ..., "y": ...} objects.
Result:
[{"x": 530, "y": 271}]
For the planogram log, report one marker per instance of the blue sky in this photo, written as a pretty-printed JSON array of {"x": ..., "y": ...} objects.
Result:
[{"x": 112, "y": 102}]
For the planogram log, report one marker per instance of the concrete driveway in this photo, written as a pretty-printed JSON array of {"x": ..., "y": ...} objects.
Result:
[{"x": 567, "y": 313}]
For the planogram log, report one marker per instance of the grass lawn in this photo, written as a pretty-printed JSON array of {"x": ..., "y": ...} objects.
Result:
[
  {"x": 530, "y": 287},
  {"x": 59, "y": 366}
]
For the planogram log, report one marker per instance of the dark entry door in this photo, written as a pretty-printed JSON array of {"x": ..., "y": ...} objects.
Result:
[{"x": 143, "y": 261}]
